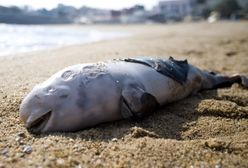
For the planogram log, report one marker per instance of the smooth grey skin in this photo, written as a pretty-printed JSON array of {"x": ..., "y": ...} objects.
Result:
[{"x": 85, "y": 95}]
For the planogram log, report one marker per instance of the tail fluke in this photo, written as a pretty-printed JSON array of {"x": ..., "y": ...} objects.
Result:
[{"x": 214, "y": 81}]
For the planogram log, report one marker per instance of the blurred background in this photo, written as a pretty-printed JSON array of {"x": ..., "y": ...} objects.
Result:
[
  {"x": 113, "y": 12},
  {"x": 24, "y": 20}
]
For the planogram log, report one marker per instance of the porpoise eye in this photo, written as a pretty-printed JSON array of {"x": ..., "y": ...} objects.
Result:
[
  {"x": 51, "y": 90},
  {"x": 64, "y": 96},
  {"x": 37, "y": 97}
]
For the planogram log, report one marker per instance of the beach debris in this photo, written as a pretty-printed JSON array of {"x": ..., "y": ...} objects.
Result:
[
  {"x": 21, "y": 134},
  {"x": 5, "y": 151},
  {"x": 20, "y": 155},
  {"x": 76, "y": 147},
  {"x": 114, "y": 140},
  {"x": 98, "y": 161},
  {"x": 115, "y": 148},
  {"x": 137, "y": 132},
  {"x": 218, "y": 166},
  {"x": 218, "y": 145},
  {"x": 27, "y": 149},
  {"x": 231, "y": 53},
  {"x": 19, "y": 137},
  {"x": 60, "y": 161},
  {"x": 78, "y": 166}
]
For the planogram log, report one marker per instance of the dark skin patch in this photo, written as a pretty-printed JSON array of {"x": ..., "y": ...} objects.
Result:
[
  {"x": 175, "y": 69},
  {"x": 82, "y": 101}
]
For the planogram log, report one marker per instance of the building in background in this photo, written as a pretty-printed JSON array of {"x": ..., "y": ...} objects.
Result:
[{"x": 173, "y": 10}]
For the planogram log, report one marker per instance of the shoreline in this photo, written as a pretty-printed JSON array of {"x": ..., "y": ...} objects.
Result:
[
  {"x": 129, "y": 30},
  {"x": 42, "y": 37},
  {"x": 197, "y": 131}
]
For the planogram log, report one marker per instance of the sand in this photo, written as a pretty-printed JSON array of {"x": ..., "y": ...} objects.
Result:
[{"x": 205, "y": 130}]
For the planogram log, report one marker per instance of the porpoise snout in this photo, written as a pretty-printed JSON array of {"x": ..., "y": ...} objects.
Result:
[
  {"x": 38, "y": 107},
  {"x": 34, "y": 112}
]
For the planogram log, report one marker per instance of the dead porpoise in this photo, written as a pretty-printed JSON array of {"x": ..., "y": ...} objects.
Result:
[{"x": 84, "y": 95}]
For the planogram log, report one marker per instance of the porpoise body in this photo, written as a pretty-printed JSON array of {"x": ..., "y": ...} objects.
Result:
[{"x": 85, "y": 95}]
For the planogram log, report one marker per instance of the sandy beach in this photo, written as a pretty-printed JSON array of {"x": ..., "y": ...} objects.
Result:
[{"x": 205, "y": 130}]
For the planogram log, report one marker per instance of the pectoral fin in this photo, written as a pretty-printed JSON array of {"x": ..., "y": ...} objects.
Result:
[{"x": 136, "y": 103}]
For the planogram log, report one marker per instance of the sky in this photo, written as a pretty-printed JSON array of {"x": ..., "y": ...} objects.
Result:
[{"x": 106, "y": 4}]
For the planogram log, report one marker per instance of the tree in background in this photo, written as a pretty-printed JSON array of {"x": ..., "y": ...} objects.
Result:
[
  {"x": 200, "y": 1},
  {"x": 244, "y": 5},
  {"x": 227, "y": 7}
]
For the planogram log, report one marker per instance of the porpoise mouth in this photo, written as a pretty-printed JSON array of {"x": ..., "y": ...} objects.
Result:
[{"x": 37, "y": 125}]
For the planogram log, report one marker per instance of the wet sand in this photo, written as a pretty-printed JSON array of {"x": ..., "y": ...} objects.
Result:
[{"x": 205, "y": 130}]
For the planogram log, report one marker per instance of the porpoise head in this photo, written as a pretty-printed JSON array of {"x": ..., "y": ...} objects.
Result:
[
  {"x": 50, "y": 106},
  {"x": 72, "y": 99}
]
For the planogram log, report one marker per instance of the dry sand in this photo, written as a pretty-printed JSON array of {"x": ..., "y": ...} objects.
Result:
[{"x": 205, "y": 130}]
